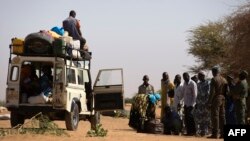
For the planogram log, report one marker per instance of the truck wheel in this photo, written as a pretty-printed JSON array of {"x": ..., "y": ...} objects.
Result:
[
  {"x": 94, "y": 120},
  {"x": 16, "y": 118},
  {"x": 72, "y": 118}
]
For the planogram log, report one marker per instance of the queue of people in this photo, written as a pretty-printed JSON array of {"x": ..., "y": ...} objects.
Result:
[{"x": 204, "y": 105}]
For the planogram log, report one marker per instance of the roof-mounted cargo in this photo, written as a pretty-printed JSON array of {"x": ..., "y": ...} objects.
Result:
[{"x": 43, "y": 44}]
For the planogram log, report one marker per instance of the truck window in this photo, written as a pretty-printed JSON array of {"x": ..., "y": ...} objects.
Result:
[
  {"x": 85, "y": 76},
  {"x": 59, "y": 74},
  {"x": 14, "y": 73},
  {"x": 111, "y": 77},
  {"x": 71, "y": 75},
  {"x": 80, "y": 77}
]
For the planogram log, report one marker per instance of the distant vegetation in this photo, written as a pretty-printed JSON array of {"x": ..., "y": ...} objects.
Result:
[
  {"x": 128, "y": 100},
  {"x": 224, "y": 42},
  {"x": 2, "y": 103}
]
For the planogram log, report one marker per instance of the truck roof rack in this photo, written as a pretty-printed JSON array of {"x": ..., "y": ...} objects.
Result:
[{"x": 81, "y": 55}]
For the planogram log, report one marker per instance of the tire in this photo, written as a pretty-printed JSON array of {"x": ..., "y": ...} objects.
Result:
[
  {"x": 95, "y": 120},
  {"x": 72, "y": 118},
  {"x": 16, "y": 118}
]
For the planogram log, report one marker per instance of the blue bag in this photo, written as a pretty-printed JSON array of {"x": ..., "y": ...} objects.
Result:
[
  {"x": 58, "y": 30},
  {"x": 153, "y": 98}
]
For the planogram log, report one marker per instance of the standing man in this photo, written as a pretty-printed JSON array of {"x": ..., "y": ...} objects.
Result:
[
  {"x": 190, "y": 94},
  {"x": 202, "y": 113},
  {"x": 178, "y": 93},
  {"x": 216, "y": 102},
  {"x": 229, "y": 103},
  {"x": 72, "y": 26},
  {"x": 167, "y": 90},
  {"x": 240, "y": 95},
  {"x": 178, "y": 99},
  {"x": 145, "y": 88},
  {"x": 142, "y": 109}
]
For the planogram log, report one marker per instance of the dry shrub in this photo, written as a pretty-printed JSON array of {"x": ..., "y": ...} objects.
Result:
[{"x": 38, "y": 124}]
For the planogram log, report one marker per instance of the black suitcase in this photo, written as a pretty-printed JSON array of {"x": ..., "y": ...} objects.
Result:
[
  {"x": 38, "y": 43},
  {"x": 154, "y": 126}
]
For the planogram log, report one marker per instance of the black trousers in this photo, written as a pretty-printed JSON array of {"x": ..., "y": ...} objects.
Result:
[
  {"x": 82, "y": 43},
  {"x": 189, "y": 120}
]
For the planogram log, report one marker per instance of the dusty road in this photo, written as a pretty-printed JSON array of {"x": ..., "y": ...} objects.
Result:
[{"x": 118, "y": 130}]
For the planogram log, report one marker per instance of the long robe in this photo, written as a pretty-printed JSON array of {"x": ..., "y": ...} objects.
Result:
[{"x": 166, "y": 86}]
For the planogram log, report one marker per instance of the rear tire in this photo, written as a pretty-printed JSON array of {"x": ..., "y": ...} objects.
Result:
[
  {"x": 16, "y": 118},
  {"x": 72, "y": 118}
]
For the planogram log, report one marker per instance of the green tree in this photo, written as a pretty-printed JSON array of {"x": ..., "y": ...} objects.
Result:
[
  {"x": 208, "y": 45},
  {"x": 238, "y": 24},
  {"x": 225, "y": 43}
]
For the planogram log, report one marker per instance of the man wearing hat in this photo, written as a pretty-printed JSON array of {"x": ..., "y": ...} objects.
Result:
[
  {"x": 240, "y": 95},
  {"x": 218, "y": 88}
]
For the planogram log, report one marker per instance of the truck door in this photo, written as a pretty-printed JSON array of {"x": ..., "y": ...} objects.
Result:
[{"x": 108, "y": 90}]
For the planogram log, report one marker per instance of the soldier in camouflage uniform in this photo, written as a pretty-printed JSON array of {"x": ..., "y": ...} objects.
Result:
[
  {"x": 239, "y": 96},
  {"x": 218, "y": 88}
]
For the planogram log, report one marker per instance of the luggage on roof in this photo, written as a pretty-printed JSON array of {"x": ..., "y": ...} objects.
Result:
[
  {"x": 43, "y": 43},
  {"x": 17, "y": 46},
  {"x": 38, "y": 43}
]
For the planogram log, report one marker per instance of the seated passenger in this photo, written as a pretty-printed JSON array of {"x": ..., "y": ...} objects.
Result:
[
  {"x": 45, "y": 86},
  {"x": 46, "y": 81},
  {"x": 28, "y": 82}
]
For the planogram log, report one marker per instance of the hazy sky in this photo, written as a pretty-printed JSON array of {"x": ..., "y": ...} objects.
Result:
[{"x": 140, "y": 36}]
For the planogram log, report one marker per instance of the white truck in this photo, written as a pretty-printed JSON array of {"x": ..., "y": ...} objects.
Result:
[{"x": 72, "y": 96}]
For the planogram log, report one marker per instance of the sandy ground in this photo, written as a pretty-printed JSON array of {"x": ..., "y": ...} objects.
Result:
[{"x": 118, "y": 130}]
